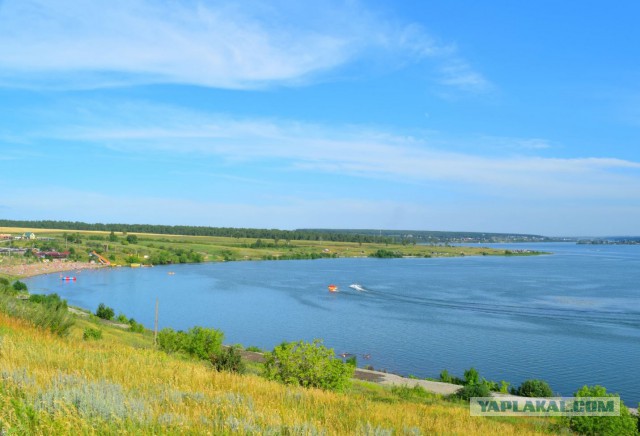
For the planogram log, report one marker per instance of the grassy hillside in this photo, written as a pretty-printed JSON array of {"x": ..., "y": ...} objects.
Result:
[{"x": 120, "y": 384}]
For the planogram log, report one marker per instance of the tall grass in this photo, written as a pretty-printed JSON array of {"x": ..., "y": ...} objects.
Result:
[
  {"x": 55, "y": 385},
  {"x": 54, "y": 317}
]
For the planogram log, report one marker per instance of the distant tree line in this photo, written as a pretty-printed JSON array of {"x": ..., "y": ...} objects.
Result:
[
  {"x": 275, "y": 234},
  {"x": 432, "y": 236}
]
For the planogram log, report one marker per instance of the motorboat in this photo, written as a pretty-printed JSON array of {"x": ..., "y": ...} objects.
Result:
[{"x": 357, "y": 287}]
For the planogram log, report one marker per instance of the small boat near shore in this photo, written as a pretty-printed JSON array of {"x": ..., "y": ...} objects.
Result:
[{"x": 357, "y": 287}]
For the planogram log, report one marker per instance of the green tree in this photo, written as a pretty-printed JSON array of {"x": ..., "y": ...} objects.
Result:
[
  {"x": 104, "y": 312},
  {"x": 113, "y": 237},
  {"x": 624, "y": 424},
  {"x": 307, "y": 364},
  {"x": 132, "y": 239}
]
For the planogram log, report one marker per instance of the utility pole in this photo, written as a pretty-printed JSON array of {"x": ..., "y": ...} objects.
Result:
[{"x": 155, "y": 329}]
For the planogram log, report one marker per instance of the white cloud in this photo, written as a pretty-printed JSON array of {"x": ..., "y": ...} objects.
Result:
[
  {"x": 355, "y": 151},
  {"x": 83, "y": 43}
]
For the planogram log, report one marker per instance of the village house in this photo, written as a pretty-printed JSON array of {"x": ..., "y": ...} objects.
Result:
[
  {"x": 29, "y": 235},
  {"x": 53, "y": 254}
]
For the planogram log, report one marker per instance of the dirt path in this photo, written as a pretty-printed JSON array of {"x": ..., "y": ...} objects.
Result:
[{"x": 392, "y": 379}]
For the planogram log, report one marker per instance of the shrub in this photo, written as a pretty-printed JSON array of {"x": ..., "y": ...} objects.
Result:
[
  {"x": 534, "y": 388},
  {"x": 19, "y": 286},
  {"x": 8, "y": 290},
  {"x": 93, "y": 400},
  {"x": 471, "y": 376},
  {"x": 254, "y": 349},
  {"x": 91, "y": 334},
  {"x": 474, "y": 390},
  {"x": 136, "y": 327},
  {"x": 5, "y": 286},
  {"x": 55, "y": 317},
  {"x": 504, "y": 387},
  {"x": 203, "y": 342},
  {"x": 624, "y": 424},
  {"x": 104, "y": 312},
  {"x": 198, "y": 341},
  {"x": 51, "y": 300},
  {"x": 308, "y": 365},
  {"x": 415, "y": 393},
  {"x": 445, "y": 377},
  {"x": 170, "y": 340},
  {"x": 385, "y": 254},
  {"x": 229, "y": 360}
]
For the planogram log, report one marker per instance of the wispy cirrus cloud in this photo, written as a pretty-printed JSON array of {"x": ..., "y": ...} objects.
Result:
[
  {"x": 224, "y": 44},
  {"x": 356, "y": 151}
]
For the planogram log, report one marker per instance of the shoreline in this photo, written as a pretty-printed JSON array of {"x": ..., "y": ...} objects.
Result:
[{"x": 23, "y": 271}]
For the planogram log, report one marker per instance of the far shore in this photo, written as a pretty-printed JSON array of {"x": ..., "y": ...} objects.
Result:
[{"x": 40, "y": 268}]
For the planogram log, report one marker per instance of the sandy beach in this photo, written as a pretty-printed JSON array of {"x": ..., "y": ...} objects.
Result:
[{"x": 35, "y": 269}]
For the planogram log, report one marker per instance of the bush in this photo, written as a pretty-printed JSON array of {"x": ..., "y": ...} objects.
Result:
[
  {"x": 471, "y": 376},
  {"x": 8, "y": 290},
  {"x": 415, "y": 393},
  {"x": 203, "y": 342},
  {"x": 136, "y": 327},
  {"x": 624, "y": 424},
  {"x": 534, "y": 388},
  {"x": 91, "y": 334},
  {"x": 55, "y": 318},
  {"x": 229, "y": 360},
  {"x": 104, "y": 312},
  {"x": 51, "y": 300},
  {"x": 385, "y": 254},
  {"x": 445, "y": 377},
  {"x": 171, "y": 341},
  {"x": 19, "y": 286},
  {"x": 475, "y": 390},
  {"x": 198, "y": 341},
  {"x": 308, "y": 365}
]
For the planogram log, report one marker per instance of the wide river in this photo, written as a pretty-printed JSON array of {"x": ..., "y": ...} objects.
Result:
[{"x": 571, "y": 318}]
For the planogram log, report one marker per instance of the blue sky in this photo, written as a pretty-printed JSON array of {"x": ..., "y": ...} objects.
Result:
[{"x": 440, "y": 115}]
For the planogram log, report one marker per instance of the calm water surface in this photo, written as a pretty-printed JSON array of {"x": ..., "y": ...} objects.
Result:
[{"x": 572, "y": 318}]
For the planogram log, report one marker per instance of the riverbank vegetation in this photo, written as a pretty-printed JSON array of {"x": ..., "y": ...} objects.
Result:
[{"x": 139, "y": 249}]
